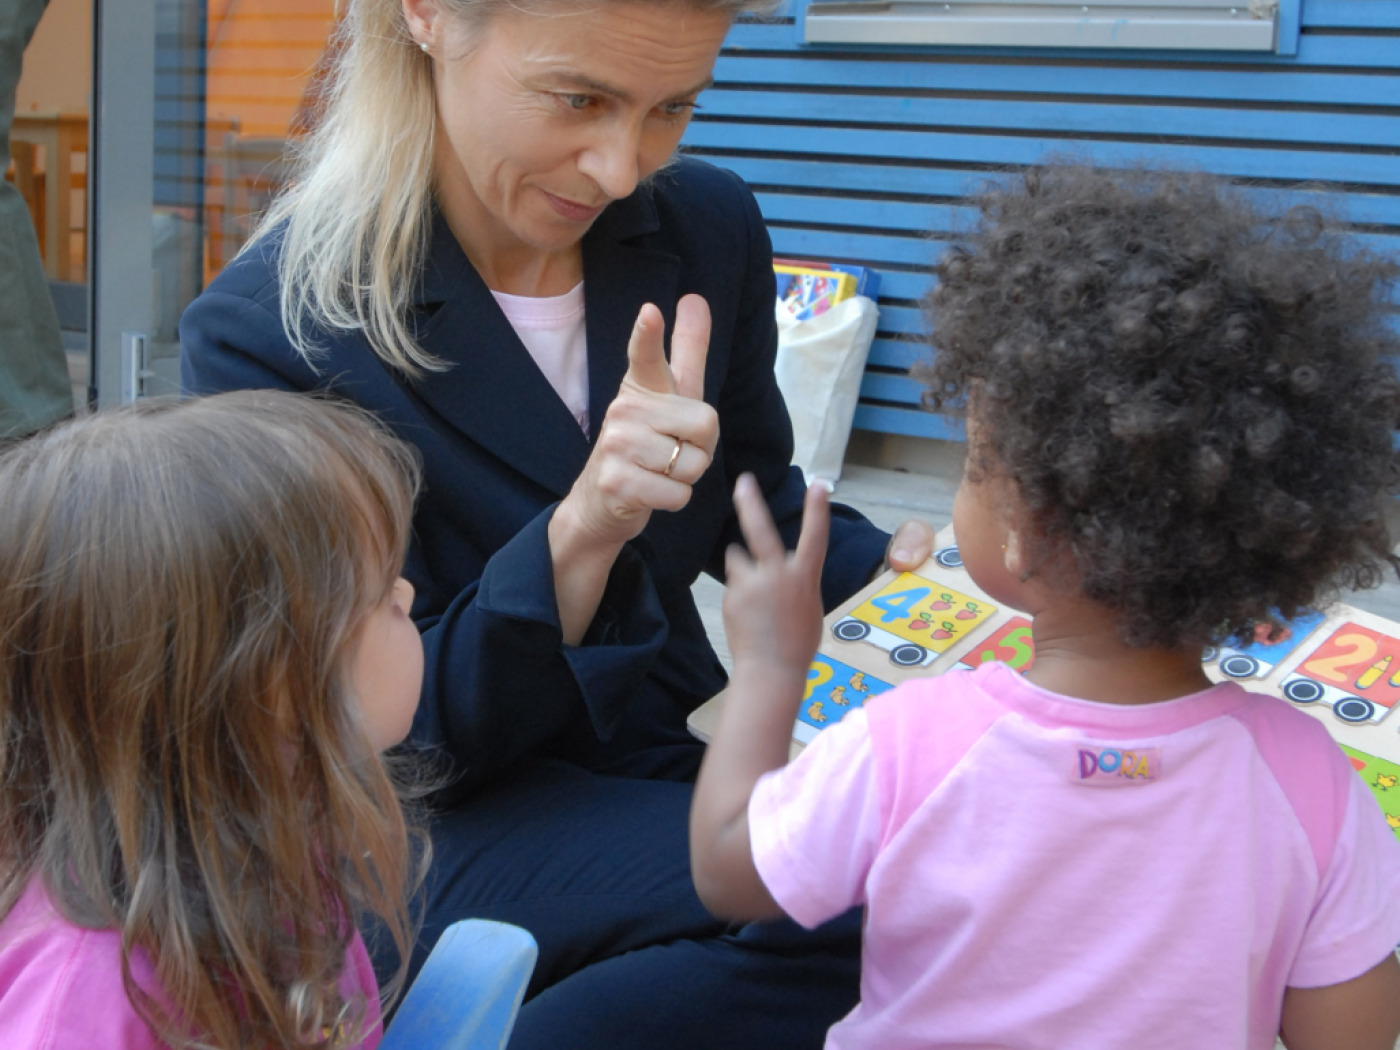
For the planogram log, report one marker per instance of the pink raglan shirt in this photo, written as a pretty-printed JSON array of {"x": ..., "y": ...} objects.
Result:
[
  {"x": 1040, "y": 871},
  {"x": 61, "y": 984}
]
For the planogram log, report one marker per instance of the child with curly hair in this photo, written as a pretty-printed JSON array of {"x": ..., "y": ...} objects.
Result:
[
  {"x": 1180, "y": 425},
  {"x": 204, "y": 647}
]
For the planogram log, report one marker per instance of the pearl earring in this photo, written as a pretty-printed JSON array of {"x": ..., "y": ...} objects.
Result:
[{"x": 423, "y": 46}]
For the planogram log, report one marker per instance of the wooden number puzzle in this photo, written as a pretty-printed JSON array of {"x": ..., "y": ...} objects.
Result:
[
  {"x": 1011, "y": 645},
  {"x": 1341, "y": 667},
  {"x": 899, "y": 626}
]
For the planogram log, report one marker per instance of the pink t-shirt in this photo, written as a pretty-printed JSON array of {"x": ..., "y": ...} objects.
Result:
[
  {"x": 61, "y": 984},
  {"x": 1044, "y": 872},
  {"x": 552, "y": 329}
]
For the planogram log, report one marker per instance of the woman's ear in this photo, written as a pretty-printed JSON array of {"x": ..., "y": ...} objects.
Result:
[{"x": 422, "y": 18}]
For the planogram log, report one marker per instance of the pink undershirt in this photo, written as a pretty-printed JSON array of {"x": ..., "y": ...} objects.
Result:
[{"x": 552, "y": 329}]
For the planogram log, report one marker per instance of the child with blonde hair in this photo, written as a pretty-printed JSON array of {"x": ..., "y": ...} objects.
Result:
[
  {"x": 204, "y": 647},
  {"x": 1180, "y": 422}
]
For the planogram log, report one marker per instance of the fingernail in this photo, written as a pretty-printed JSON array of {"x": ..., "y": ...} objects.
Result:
[{"x": 900, "y": 554}]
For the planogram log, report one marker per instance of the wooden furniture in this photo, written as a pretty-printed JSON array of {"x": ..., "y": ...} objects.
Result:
[{"x": 59, "y": 136}]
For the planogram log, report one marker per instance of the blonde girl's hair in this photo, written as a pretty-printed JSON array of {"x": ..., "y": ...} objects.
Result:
[
  {"x": 181, "y": 755},
  {"x": 357, "y": 215}
]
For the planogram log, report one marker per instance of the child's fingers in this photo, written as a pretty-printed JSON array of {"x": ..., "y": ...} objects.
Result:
[
  {"x": 736, "y": 562},
  {"x": 755, "y": 521},
  {"x": 816, "y": 527}
]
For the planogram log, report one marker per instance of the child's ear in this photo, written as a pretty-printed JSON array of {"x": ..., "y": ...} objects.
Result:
[{"x": 1014, "y": 555}]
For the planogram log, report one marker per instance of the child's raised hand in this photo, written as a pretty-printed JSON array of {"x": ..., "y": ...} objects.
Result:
[
  {"x": 772, "y": 602},
  {"x": 773, "y": 616}
]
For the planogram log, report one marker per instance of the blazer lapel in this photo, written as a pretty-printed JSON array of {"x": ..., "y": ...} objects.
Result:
[
  {"x": 492, "y": 391},
  {"x": 619, "y": 277}
]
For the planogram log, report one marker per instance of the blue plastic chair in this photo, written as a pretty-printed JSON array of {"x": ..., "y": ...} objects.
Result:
[{"x": 468, "y": 992}]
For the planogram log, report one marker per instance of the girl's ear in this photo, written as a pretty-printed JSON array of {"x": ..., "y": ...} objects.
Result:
[{"x": 1014, "y": 555}]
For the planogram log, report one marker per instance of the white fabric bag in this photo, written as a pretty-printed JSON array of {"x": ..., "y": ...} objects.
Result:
[{"x": 819, "y": 365}]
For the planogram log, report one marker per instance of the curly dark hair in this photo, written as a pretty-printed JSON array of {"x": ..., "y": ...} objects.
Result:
[{"x": 1192, "y": 398}]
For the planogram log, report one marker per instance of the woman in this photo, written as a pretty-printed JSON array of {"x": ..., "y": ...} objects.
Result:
[{"x": 487, "y": 243}]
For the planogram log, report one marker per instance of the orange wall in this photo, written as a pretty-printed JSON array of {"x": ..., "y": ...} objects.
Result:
[
  {"x": 260, "y": 55},
  {"x": 58, "y": 62}
]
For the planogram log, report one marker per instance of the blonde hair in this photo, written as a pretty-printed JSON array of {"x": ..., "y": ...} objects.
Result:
[
  {"x": 181, "y": 756},
  {"x": 358, "y": 214}
]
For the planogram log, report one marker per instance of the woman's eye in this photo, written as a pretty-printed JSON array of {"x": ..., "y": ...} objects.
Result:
[{"x": 677, "y": 109}]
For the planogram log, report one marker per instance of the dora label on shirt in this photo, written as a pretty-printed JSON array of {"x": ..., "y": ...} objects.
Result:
[{"x": 1116, "y": 767}]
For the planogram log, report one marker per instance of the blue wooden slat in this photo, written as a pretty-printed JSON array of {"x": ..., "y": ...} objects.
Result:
[
  {"x": 854, "y": 178},
  {"x": 850, "y": 174},
  {"x": 1330, "y": 166},
  {"x": 883, "y": 386},
  {"x": 1277, "y": 126},
  {"x": 827, "y": 244},
  {"x": 853, "y": 211},
  {"x": 901, "y": 320},
  {"x": 912, "y": 422},
  {"x": 1313, "y": 50},
  {"x": 904, "y": 352},
  {"x": 916, "y": 251},
  {"x": 896, "y": 353},
  {"x": 1265, "y": 84},
  {"x": 918, "y": 218},
  {"x": 1352, "y": 14}
]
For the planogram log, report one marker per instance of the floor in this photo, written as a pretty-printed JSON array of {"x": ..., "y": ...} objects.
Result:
[{"x": 888, "y": 497}]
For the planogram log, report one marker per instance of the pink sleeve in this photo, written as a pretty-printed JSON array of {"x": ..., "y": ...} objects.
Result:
[
  {"x": 69, "y": 996},
  {"x": 1356, "y": 921},
  {"x": 814, "y": 825}
]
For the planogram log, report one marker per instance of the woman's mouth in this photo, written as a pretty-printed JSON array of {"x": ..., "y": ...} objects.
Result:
[{"x": 572, "y": 210}]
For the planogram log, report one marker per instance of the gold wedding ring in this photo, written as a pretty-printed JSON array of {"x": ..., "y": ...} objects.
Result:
[{"x": 675, "y": 455}]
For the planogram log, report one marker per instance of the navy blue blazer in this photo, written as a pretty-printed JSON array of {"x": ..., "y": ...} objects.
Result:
[{"x": 500, "y": 449}]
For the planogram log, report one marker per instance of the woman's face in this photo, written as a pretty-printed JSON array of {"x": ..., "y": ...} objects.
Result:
[{"x": 546, "y": 118}]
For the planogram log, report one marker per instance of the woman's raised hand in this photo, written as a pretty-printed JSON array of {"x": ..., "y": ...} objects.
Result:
[
  {"x": 655, "y": 442},
  {"x": 658, "y": 435}
]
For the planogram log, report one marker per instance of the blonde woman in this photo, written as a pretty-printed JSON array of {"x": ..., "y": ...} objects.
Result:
[{"x": 489, "y": 244}]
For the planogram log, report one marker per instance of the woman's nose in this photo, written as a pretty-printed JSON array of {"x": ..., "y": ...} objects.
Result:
[{"x": 613, "y": 161}]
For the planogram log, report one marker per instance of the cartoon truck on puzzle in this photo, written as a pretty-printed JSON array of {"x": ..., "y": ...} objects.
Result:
[
  {"x": 1355, "y": 672},
  {"x": 913, "y": 619},
  {"x": 1269, "y": 648}
]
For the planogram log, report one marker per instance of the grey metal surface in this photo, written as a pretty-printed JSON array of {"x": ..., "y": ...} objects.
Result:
[{"x": 1166, "y": 25}]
